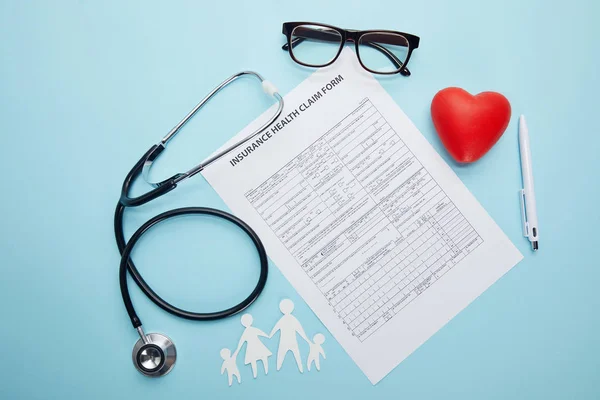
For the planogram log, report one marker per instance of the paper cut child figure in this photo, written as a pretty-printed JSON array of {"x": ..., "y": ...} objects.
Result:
[
  {"x": 288, "y": 326},
  {"x": 230, "y": 365},
  {"x": 315, "y": 350},
  {"x": 255, "y": 349}
]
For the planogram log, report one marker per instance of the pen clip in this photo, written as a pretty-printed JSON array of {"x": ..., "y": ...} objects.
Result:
[{"x": 524, "y": 214}]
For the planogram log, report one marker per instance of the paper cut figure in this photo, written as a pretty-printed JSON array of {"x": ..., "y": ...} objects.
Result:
[
  {"x": 315, "y": 350},
  {"x": 230, "y": 365},
  {"x": 255, "y": 349},
  {"x": 288, "y": 326}
]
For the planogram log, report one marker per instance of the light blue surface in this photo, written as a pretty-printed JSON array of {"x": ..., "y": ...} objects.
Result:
[{"x": 87, "y": 87}]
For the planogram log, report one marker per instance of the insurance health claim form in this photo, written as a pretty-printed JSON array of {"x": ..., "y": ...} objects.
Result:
[{"x": 362, "y": 216}]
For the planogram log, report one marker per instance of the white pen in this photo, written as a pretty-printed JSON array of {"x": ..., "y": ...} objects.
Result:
[{"x": 528, "y": 206}]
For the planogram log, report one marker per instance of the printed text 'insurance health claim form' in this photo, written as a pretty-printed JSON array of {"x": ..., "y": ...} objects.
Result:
[{"x": 362, "y": 216}]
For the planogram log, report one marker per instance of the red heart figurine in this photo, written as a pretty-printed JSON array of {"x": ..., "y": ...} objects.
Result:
[{"x": 469, "y": 125}]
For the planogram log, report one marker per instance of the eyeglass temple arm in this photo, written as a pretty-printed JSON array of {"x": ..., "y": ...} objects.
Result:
[{"x": 331, "y": 37}]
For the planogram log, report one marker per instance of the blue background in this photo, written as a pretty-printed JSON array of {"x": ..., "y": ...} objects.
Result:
[{"x": 87, "y": 87}]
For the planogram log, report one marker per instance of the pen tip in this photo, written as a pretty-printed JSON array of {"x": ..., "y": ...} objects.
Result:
[
  {"x": 534, "y": 246},
  {"x": 522, "y": 124}
]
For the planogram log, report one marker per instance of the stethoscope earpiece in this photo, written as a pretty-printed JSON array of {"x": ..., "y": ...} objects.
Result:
[{"x": 154, "y": 355}]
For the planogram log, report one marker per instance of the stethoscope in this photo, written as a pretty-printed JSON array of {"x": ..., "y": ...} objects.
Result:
[{"x": 154, "y": 354}]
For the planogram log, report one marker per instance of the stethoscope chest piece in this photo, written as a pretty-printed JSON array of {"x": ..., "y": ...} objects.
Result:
[{"x": 154, "y": 356}]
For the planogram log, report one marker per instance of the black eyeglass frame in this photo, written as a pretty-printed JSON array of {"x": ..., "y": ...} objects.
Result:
[{"x": 354, "y": 36}]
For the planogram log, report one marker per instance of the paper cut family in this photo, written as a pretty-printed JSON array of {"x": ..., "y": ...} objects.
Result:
[{"x": 288, "y": 327}]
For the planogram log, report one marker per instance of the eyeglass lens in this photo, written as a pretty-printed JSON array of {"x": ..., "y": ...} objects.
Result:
[
  {"x": 383, "y": 52},
  {"x": 315, "y": 45}
]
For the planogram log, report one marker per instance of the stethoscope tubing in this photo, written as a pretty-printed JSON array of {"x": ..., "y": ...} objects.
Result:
[
  {"x": 127, "y": 265},
  {"x": 165, "y": 186},
  {"x": 159, "y": 189}
]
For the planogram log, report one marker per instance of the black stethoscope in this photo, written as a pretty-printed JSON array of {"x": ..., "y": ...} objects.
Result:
[{"x": 154, "y": 354}]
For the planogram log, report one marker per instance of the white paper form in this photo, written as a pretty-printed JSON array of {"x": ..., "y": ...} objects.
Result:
[{"x": 363, "y": 217}]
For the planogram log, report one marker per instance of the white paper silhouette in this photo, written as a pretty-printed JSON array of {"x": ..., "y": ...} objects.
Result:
[
  {"x": 315, "y": 350},
  {"x": 255, "y": 349},
  {"x": 230, "y": 365},
  {"x": 288, "y": 326}
]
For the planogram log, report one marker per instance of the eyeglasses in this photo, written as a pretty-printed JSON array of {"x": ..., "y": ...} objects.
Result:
[{"x": 378, "y": 51}]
